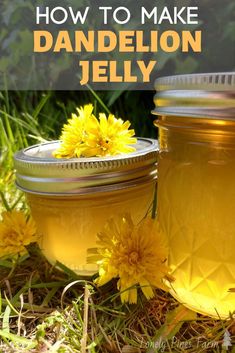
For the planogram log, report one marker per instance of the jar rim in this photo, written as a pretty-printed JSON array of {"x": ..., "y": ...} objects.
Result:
[
  {"x": 37, "y": 171},
  {"x": 196, "y": 95}
]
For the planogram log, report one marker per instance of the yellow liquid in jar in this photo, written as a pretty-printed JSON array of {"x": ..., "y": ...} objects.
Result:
[
  {"x": 196, "y": 204},
  {"x": 68, "y": 226}
]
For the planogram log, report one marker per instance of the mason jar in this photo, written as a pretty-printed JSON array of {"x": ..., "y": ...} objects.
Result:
[
  {"x": 196, "y": 187},
  {"x": 72, "y": 199}
]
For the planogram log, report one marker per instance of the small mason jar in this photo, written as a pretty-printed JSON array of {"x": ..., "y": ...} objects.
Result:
[
  {"x": 196, "y": 187},
  {"x": 72, "y": 199}
]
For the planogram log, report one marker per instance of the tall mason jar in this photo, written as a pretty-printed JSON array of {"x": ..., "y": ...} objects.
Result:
[
  {"x": 196, "y": 187},
  {"x": 72, "y": 199}
]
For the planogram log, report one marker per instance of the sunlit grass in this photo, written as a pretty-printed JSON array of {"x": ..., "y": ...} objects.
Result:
[
  {"x": 46, "y": 309},
  {"x": 43, "y": 308}
]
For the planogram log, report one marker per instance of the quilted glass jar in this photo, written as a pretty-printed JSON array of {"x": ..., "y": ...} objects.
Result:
[
  {"x": 196, "y": 187},
  {"x": 72, "y": 199}
]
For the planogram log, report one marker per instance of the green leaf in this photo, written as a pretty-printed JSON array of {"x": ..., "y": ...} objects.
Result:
[
  {"x": 29, "y": 343},
  {"x": 66, "y": 270},
  {"x": 5, "y": 320}
]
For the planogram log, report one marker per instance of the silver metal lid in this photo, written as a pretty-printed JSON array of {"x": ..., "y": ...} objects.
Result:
[
  {"x": 196, "y": 95},
  {"x": 37, "y": 171}
]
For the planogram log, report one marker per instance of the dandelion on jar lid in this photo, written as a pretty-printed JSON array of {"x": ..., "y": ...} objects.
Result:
[
  {"x": 38, "y": 172},
  {"x": 86, "y": 136}
]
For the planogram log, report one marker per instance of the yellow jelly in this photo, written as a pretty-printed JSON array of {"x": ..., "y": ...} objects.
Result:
[
  {"x": 71, "y": 200},
  {"x": 196, "y": 190},
  {"x": 69, "y": 225}
]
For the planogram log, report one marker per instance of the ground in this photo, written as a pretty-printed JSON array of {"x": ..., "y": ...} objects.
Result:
[{"x": 50, "y": 309}]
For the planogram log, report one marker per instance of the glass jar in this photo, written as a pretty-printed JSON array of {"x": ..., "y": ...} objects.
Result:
[
  {"x": 196, "y": 187},
  {"x": 72, "y": 199}
]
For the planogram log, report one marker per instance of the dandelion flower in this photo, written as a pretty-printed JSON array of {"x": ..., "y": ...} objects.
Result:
[
  {"x": 133, "y": 253},
  {"x": 16, "y": 232},
  {"x": 108, "y": 136},
  {"x": 73, "y": 134},
  {"x": 86, "y": 136}
]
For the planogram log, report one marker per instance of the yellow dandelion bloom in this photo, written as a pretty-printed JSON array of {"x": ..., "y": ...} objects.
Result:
[
  {"x": 135, "y": 254},
  {"x": 73, "y": 134},
  {"x": 108, "y": 136},
  {"x": 86, "y": 136},
  {"x": 16, "y": 232}
]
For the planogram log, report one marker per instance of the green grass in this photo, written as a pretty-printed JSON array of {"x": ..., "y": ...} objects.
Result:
[
  {"x": 43, "y": 307},
  {"x": 51, "y": 309}
]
